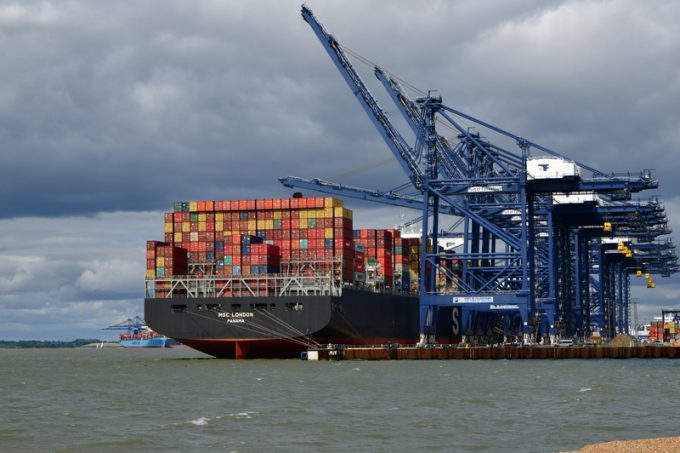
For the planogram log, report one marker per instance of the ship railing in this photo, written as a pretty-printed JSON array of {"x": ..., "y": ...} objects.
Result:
[
  {"x": 197, "y": 286},
  {"x": 394, "y": 290}
]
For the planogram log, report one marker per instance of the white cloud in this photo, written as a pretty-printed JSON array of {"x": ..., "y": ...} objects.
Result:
[
  {"x": 60, "y": 273},
  {"x": 154, "y": 98},
  {"x": 21, "y": 15}
]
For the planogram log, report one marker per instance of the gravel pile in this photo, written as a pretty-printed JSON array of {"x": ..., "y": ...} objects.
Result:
[{"x": 621, "y": 340}]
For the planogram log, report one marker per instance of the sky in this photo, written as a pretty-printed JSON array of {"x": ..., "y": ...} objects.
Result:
[{"x": 111, "y": 111}]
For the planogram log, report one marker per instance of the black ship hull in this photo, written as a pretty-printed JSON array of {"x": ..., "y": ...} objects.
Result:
[{"x": 270, "y": 327}]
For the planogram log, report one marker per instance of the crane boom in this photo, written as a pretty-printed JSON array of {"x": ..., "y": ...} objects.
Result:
[{"x": 401, "y": 150}]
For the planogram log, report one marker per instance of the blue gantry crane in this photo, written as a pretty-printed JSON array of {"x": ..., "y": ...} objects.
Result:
[{"x": 549, "y": 243}]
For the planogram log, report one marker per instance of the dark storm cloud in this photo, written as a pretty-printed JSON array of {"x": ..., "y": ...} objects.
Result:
[
  {"x": 132, "y": 106},
  {"x": 124, "y": 107}
]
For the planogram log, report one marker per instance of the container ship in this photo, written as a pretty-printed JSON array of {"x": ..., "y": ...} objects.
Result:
[
  {"x": 138, "y": 335},
  {"x": 269, "y": 278},
  {"x": 144, "y": 338}
]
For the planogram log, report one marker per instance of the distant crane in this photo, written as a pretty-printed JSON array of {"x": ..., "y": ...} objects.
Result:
[{"x": 130, "y": 325}]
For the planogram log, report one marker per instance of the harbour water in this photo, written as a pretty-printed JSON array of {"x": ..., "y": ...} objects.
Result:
[{"x": 180, "y": 400}]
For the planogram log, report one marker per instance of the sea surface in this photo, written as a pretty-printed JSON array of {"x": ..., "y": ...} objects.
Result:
[{"x": 114, "y": 400}]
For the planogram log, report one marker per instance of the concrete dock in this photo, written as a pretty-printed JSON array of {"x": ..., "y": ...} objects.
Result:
[{"x": 455, "y": 352}]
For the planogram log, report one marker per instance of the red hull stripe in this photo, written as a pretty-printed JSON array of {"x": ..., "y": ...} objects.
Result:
[{"x": 255, "y": 348}]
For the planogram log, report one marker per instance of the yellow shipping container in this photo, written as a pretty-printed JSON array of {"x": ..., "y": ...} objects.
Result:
[
  {"x": 337, "y": 211},
  {"x": 303, "y": 213},
  {"x": 160, "y": 261},
  {"x": 303, "y": 223},
  {"x": 193, "y": 206},
  {"x": 178, "y": 237},
  {"x": 346, "y": 213},
  {"x": 252, "y": 226},
  {"x": 186, "y": 227},
  {"x": 150, "y": 273},
  {"x": 337, "y": 203},
  {"x": 328, "y": 212},
  {"x": 168, "y": 227},
  {"x": 219, "y": 226},
  {"x": 328, "y": 233},
  {"x": 328, "y": 202},
  {"x": 219, "y": 217},
  {"x": 201, "y": 226},
  {"x": 202, "y": 217},
  {"x": 277, "y": 215},
  {"x": 261, "y": 224},
  {"x": 268, "y": 224}
]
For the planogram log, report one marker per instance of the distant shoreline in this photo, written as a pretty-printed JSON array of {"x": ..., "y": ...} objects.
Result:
[{"x": 46, "y": 344}]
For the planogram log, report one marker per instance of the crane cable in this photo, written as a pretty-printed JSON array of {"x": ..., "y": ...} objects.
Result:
[{"x": 405, "y": 83}]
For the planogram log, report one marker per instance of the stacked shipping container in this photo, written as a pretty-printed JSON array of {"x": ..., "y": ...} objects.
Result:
[
  {"x": 223, "y": 233},
  {"x": 163, "y": 259},
  {"x": 257, "y": 237},
  {"x": 377, "y": 246}
]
